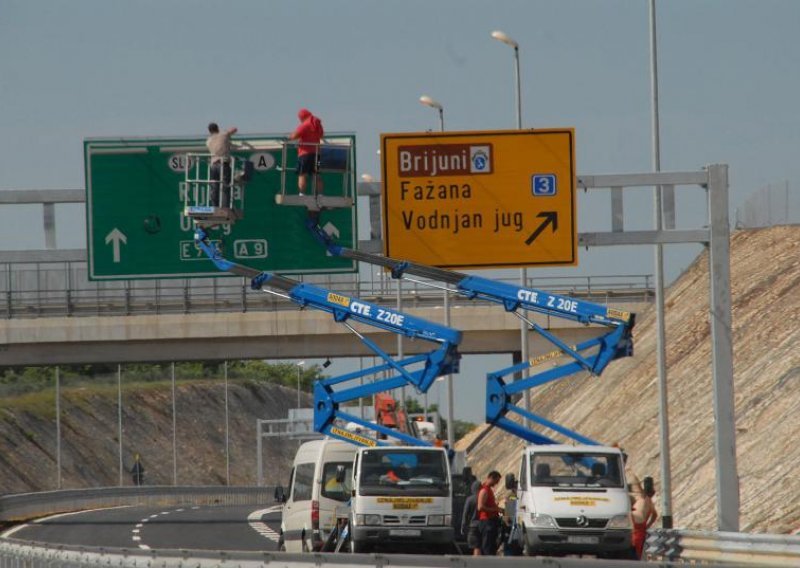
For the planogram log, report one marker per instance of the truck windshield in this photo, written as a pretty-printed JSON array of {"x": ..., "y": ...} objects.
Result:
[
  {"x": 576, "y": 469},
  {"x": 403, "y": 472},
  {"x": 331, "y": 488}
]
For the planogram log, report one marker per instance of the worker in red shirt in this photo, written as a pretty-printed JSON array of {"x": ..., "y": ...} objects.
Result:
[
  {"x": 489, "y": 514},
  {"x": 309, "y": 134}
]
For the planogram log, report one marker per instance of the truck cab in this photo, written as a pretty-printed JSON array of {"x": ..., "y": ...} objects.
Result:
[
  {"x": 573, "y": 500},
  {"x": 401, "y": 499}
]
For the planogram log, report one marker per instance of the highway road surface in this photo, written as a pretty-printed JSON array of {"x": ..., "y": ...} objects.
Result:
[{"x": 190, "y": 527}]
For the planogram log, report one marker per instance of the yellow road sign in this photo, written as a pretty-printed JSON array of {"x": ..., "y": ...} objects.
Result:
[{"x": 502, "y": 198}]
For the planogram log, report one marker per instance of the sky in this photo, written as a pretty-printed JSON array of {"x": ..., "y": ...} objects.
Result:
[{"x": 728, "y": 85}]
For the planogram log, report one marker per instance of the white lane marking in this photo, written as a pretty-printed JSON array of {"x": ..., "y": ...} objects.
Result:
[
  {"x": 135, "y": 531},
  {"x": 139, "y": 525},
  {"x": 10, "y": 532},
  {"x": 195, "y": 507},
  {"x": 13, "y": 530},
  {"x": 179, "y": 510},
  {"x": 254, "y": 520}
]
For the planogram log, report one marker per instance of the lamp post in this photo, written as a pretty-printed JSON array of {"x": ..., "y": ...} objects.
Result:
[
  {"x": 523, "y": 273},
  {"x": 502, "y": 37},
  {"x": 299, "y": 366},
  {"x": 433, "y": 103},
  {"x": 661, "y": 352}
]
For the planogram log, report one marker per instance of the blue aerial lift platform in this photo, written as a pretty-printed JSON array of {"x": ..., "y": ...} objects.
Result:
[
  {"x": 592, "y": 355},
  {"x": 419, "y": 371}
]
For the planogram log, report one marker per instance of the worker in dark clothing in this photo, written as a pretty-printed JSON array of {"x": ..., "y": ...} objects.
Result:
[
  {"x": 137, "y": 471},
  {"x": 469, "y": 519}
]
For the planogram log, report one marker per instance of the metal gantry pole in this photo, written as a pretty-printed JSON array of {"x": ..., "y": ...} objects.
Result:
[
  {"x": 58, "y": 427},
  {"x": 450, "y": 397},
  {"x": 174, "y": 430},
  {"x": 661, "y": 349},
  {"x": 259, "y": 449},
  {"x": 119, "y": 419},
  {"x": 361, "y": 382},
  {"x": 227, "y": 441},
  {"x": 400, "y": 338},
  {"x": 722, "y": 351}
]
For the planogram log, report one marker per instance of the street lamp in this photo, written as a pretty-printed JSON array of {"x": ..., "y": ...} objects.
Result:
[
  {"x": 500, "y": 36},
  {"x": 299, "y": 366},
  {"x": 523, "y": 273},
  {"x": 433, "y": 103}
]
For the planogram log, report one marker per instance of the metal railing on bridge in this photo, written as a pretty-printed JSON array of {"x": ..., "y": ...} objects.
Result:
[{"x": 63, "y": 290}]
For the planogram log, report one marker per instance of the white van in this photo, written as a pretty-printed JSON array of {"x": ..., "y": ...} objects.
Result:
[
  {"x": 314, "y": 495},
  {"x": 402, "y": 499},
  {"x": 573, "y": 500}
]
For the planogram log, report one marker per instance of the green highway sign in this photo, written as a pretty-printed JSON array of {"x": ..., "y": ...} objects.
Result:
[{"x": 135, "y": 223}]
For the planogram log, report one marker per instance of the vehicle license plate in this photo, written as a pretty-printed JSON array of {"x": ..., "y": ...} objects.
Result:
[
  {"x": 583, "y": 539},
  {"x": 405, "y": 532}
]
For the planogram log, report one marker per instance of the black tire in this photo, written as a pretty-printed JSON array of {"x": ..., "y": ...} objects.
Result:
[
  {"x": 281, "y": 545},
  {"x": 358, "y": 547},
  {"x": 527, "y": 549}
]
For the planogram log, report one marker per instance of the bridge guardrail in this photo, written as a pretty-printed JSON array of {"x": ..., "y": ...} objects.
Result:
[
  {"x": 724, "y": 548},
  {"x": 25, "y": 506},
  {"x": 15, "y": 554},
  {"x": 64, "y": 290}
]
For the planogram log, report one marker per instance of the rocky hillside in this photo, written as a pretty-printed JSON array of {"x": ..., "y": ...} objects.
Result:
[
  {"x": 90, "y": 444},
  {"x": 622, "y": 405}
]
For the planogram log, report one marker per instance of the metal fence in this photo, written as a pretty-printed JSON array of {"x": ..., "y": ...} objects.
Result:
[
  {"x": 63, "y": 289},
  {"x": 771, "y": 205}
]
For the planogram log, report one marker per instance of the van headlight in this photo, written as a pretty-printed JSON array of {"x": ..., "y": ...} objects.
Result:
[
  {"x": 367, "y": 520},
  {"x": 619, "y": 522},
  {"x": 435, "y": 520},
  {"x": 542, "y": 521}
]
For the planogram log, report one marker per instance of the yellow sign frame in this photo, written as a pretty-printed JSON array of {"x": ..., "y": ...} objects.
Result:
[{"x": 480, "y": 199}]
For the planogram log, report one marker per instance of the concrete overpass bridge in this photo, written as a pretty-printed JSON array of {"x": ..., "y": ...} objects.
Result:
[{"x": 221, "y": 319}]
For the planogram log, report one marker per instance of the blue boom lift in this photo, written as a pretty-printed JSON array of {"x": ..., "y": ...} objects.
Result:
[
  {"x": 419, "y": 371},
  {"x": 592, "y": 355}
]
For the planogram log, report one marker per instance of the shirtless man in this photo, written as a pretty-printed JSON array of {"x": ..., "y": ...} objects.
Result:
[{"x": 643, "y": 512}]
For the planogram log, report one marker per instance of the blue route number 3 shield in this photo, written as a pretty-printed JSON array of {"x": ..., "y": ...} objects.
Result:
[{"x": 543, "y": 185}]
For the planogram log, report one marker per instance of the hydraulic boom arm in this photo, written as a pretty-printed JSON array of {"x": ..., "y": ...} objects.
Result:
[
  {"x": 419, "y": 370},
  {"x": 592, "y": 355}
]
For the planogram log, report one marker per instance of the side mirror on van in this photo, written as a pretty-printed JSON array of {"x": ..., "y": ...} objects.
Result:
[
  {"x": 340, "y": 471},
  {"x": 511, "y": 482},
  {"x": 280, "y": 494}
]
